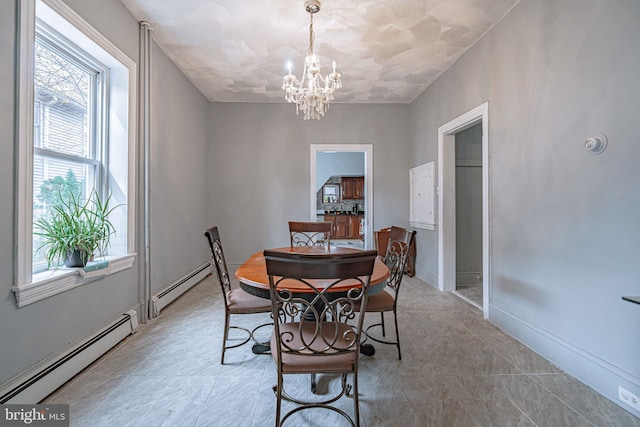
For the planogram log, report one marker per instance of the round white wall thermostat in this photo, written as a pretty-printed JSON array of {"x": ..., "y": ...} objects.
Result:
[{"x": 596, "y": 144}]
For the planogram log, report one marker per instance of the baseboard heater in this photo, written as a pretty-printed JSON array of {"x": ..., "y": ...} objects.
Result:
[
  {"x": 41, "y": 380},
  {"x": 173, "y": 291}
]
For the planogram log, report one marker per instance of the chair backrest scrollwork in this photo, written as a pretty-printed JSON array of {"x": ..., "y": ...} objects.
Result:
[
  {"x": 310, "y": 233},
  {"x": 398, "y": 247},
  {"x": 312, "y": 317},
  {"x": 218, "y": 263}
]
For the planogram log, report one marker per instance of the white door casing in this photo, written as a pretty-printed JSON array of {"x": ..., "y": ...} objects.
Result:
[
  {"x": 447, "y": 201},
  {"x": 367, "y": 149}
]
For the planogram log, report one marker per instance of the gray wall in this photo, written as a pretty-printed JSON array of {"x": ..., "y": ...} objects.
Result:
[
  {"x": 179, "y": 115},
  {"x": 179, "y": 188},
  {"x": 259, "y": 171},
  {"x": 564, "y": 224}
]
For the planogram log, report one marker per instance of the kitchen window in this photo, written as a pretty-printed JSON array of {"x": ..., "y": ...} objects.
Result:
[
  {"x": 76, "y": 134},
  {"x": 330, "y": 193}
]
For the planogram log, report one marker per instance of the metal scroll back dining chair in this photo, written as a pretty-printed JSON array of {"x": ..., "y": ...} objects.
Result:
[
  {"x": 236, "y": 300},
  {"x": 310, "y": 233},
  {"x": 400, "y": 241},
  {"x": 311, "y": 334}
]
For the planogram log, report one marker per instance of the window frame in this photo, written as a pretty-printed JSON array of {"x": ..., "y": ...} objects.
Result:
[
  {"x": 30, "y": 287},
  {"x": 57, "y": 43}
]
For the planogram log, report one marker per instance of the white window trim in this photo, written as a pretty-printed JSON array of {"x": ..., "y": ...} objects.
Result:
[
  {"x": 30, "y": 288},
  {"x": 52, "y": 282}
]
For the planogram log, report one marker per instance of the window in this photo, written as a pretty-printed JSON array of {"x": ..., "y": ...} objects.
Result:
[
  {"x": 67, "y": 126},
  {"x": 76, "y": 134},
  {"x": 330, "y": 193}
]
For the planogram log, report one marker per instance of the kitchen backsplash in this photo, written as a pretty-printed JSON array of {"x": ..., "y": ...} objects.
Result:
[{"x": 343, "y": 206}]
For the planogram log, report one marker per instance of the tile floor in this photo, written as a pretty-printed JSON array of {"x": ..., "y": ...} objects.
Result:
[
  {"x": 472, "y": 292},
  {"x": 457, "y": 370}
]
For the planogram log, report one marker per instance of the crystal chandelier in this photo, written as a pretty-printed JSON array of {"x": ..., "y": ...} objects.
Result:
[{"x": 313, "y": 93}]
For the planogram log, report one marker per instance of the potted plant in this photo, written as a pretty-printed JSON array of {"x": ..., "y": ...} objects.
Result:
[{"x": 75, "y": 230}]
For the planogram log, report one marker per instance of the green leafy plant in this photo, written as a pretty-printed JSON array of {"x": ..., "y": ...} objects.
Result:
[{"x": 74, "y": 225}]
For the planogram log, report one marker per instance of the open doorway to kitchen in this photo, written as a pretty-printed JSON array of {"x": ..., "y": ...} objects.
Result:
[
  {"x": 447, "y": 200},
  {"x": 341, "y": 191}
]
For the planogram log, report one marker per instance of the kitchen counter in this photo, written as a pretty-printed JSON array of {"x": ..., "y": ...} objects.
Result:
[{"x": 360, "y": 213}]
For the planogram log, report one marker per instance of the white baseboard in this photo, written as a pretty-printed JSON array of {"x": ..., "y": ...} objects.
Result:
[
  {"x": 579, "y": 363},
  {"x": 468, "y": 277},
  {"x": 427, "y": 276}
]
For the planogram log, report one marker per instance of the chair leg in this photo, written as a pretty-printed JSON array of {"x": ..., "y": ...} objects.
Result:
[
  {"x": 225, "y": 337},
  {"x": 383, "y": 339},
  {"x": 279, "y": 398},
  {"x": 395, "y": 320},
  {"x": 356, "y": 404}
]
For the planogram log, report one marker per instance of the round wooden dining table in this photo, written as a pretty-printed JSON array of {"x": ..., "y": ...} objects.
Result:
[{"x": 253, "y": 278}]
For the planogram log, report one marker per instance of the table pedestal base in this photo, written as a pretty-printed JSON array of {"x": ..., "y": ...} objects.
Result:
[
  {"x": 261, "y": 349},
  {"x": 367, "y": 349}
]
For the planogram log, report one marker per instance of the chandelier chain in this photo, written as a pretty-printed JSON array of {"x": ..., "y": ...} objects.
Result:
[{"x": 312, "y": 36}]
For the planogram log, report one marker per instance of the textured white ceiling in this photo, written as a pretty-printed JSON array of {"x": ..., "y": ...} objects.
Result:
[{"x": 388, "y": 51}]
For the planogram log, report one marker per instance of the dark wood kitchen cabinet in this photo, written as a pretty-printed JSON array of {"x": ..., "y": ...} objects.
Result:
[
  {"x": 332, "y": 220},
  {"x": 344, "y": 226},
  {"x": 354, "y": 226},
  {"x": 352, "y": 187}
]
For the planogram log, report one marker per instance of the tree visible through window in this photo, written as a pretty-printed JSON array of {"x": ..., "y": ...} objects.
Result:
[{"x": 55, "y": 190}]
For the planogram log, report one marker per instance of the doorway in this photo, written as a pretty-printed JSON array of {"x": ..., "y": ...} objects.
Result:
[
  {"x": 468, "y": 187},
  {"x": 447, "y": 254},
  {"x": 318, "y": 150}
]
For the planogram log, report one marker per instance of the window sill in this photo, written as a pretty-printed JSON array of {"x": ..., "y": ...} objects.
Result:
[{"x": 49, "y": 283}]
